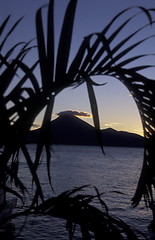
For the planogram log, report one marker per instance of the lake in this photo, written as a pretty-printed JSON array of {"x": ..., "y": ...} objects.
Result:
[{"x": 74, "y": 166}]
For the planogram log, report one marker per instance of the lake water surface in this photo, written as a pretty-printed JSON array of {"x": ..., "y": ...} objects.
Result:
[{"x": 74, "y": 166}]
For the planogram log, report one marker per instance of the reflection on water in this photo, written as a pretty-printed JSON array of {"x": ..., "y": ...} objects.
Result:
[{"x": 72, "y": 166}]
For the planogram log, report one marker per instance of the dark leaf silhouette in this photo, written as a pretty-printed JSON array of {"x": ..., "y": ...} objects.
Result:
[
  {"x": 23, "y": 98},
  {"x": 65, "y": 42},
  {"x": 78, "y": 209},
  {"x": 94, "y": 109}
]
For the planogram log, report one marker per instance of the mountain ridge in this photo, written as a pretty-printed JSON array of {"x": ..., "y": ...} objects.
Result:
[{"x": 71, "y": 130}]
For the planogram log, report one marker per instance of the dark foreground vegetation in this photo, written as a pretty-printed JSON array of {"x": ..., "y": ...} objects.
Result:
[{"x": 23, "y": 97}]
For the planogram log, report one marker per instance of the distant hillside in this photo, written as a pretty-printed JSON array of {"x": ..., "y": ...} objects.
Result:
[
  {"x": 112, "y": 137},
  {"x": 70, "y": 130}
]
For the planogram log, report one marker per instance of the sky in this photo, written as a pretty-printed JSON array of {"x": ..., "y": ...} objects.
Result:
[{"x": 116, "y": 106}]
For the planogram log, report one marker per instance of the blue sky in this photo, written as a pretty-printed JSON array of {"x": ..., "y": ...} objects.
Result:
[{"x": 116, "y": 106}]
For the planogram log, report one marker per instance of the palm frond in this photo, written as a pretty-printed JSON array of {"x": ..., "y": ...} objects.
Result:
[
  {"x": 142, "y": 90},
  {"x": 94, "y": 109},
  {"x": 65, "y": 42},
  {"x": 33, "y": 172},
  {"x": 75, "y": 66},
  {"x": 2, "y": 26},
  {"x": 50, "y": 43},
  {"x": 10, "y": 32},
  {"x": 44, "y": 138},
  {"x": 4, "y": 60},
  {"x": 41, "y": 46},
  {"x": 94, "y": 57},
  {"x": 78, "y": 209}
]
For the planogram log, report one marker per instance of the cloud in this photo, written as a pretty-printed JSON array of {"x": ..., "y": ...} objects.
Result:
[
  {"x": 74, "y": 113},
  {"x": 112, "y": 124}
]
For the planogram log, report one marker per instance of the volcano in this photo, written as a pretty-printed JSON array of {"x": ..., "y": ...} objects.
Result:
[{"x": 71, "y": 130}]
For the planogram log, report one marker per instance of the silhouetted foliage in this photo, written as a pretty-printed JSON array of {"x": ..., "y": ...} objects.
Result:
[
  {"x": 23, "y": 98},
  {"x": 78, "y": 208}
]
